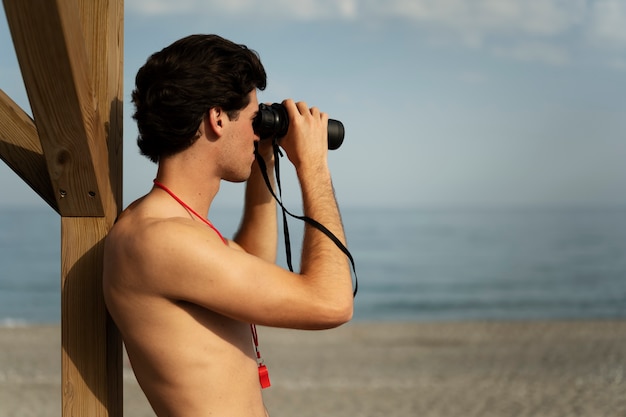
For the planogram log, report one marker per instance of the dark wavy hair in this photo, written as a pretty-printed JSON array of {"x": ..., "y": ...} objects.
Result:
[{"x": 178, "y": 85}]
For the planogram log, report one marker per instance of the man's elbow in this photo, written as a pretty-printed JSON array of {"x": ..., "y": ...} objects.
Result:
[
  {"x": 337, "y": 313},
  {"x": 345, "y": 315}
]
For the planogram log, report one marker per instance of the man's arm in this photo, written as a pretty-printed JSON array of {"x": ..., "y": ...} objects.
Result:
[
  {"x": 258, "y": 231},
  {"x": 185, "y": 261},
  {"x": 307, "y": 148}
]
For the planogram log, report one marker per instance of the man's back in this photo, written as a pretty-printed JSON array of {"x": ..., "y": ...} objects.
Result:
[{"x": 187, "y": 359}]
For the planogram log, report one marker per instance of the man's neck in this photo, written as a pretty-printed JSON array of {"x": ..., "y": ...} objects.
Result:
[{"x": 196, "y": 187}]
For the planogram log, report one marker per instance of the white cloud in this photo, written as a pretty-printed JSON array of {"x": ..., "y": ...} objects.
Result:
[
  {"x": 160, "y": 7},
  {"x": 530, "y": 16},
  {"x": 545, "y": 31},
  {"x": 608, "y": 23},
  {"x": 470, "y": 21},
  {"x": 487, "y": 17},
  {"x": 288, "y": 9},
  {"x": 472, "y": 77},
  {"x": 534, "y": 52},
  {"x": 475, "y": 20},
  {"x": 618, "y": 64},
  {"x": 266, "y": 10}
]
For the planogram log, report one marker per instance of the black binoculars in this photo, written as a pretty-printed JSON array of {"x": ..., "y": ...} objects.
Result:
[{"x": 272, "y": 121}]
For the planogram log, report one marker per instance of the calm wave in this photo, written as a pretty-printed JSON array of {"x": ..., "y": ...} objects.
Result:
[{"x": 411, "y": 264}]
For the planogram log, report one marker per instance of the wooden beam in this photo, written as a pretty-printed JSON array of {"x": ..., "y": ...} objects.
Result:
[
  {"x": 50, "y": 47},
  {"x": 70, "y": 54},
  {"x": 103, "y": 29},
  {"x": 97, "y": 375},
  {"x": 92, "y": 355},
  {"x": 21, "y": 150}
]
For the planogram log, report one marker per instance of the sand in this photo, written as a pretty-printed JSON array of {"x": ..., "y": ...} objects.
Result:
[{"x": 466, "y": 369}]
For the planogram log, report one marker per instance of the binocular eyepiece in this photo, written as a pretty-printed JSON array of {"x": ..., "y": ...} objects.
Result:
[{"x": 273, "y": 121}]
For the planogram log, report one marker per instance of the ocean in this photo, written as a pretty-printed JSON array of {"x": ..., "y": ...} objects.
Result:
[{"x": 412, "y": 264}]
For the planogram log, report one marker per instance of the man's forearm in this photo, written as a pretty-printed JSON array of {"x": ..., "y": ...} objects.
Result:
[
  {"x": 321, "y": 258},
  {"x": 258, "y": 231}
]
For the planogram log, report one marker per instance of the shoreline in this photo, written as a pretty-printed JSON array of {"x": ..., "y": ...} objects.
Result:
[{"x": 462, "y": 368}]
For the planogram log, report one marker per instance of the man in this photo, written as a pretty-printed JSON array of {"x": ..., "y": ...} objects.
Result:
[{"x": 182, "y": 296}]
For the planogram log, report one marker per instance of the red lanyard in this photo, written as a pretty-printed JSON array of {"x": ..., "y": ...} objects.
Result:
[
  {"x": 264, "y": 377},
  {"x": 182, "y": 203}
]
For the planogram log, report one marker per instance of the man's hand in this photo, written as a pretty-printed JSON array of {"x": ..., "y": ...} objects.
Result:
[{"x": 306, "y": 141}]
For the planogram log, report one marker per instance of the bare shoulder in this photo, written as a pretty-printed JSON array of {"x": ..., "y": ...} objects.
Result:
[
  {"x": 145, "y": 240},
  {"x": 156, "y": 248},
  {"x": 143, "y": 232},
  {"x": 156, "y": 256}
]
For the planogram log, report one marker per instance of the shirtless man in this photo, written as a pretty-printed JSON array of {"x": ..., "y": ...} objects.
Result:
[{"x": 183, "y": 297}]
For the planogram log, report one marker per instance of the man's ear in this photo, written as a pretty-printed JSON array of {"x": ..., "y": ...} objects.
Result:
[{"x": 215, "y": 120}]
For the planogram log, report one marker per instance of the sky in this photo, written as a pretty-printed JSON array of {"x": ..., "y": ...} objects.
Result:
[{"x": 446, "y": 103}]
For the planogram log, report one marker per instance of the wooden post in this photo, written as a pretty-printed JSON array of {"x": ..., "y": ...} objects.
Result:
[
  {"x": 70, "y": 54},
  {"x": 91, "y": 359}
]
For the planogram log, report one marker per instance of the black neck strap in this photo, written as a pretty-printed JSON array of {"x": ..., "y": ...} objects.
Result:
[{"x": 306, "y": 219}]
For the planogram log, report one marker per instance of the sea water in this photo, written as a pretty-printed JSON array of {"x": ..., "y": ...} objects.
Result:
[{"x": 412, "y": 264}]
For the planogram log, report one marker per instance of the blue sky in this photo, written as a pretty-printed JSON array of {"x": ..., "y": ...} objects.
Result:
[{"x": 446, "y": 103}]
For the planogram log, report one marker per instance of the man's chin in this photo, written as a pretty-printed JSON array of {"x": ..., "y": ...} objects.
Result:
[{"x": 237, "y": 178}]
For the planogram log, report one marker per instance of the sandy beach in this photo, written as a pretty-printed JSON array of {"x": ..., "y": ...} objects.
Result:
[{"x": 466, "y": 369}]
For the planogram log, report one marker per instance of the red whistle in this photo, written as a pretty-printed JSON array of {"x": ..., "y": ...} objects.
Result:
[{"x": 264, "y": 376}]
